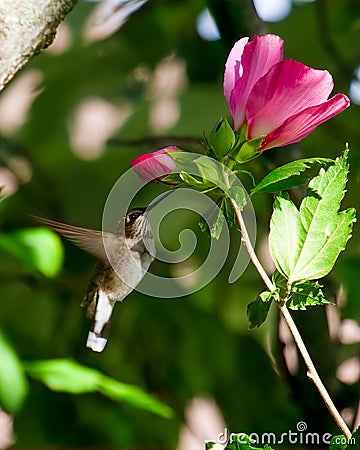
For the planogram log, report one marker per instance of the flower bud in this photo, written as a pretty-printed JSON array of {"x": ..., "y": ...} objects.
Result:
[
  {"x": 154, "y": 167},
  {"x": 221, "y": 138}
]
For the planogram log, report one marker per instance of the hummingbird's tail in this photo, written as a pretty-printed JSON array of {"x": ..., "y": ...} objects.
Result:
[{"x": 97, "y": 337}]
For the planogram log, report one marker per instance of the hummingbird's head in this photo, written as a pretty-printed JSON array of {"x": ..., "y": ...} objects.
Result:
[{"x": 136, "y": 224}]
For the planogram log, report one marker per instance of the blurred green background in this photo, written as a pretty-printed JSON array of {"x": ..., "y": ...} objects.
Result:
[{"x": 153, "y": 82}]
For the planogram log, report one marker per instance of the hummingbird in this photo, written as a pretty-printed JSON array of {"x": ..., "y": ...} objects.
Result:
[{"x": 130, "y": 249}]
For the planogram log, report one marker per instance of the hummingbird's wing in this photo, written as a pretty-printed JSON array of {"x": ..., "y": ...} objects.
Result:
[{"x": 89, "y": 240}]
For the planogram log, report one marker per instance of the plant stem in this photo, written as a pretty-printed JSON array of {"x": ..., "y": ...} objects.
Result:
[{"x": 311, "y": 371}]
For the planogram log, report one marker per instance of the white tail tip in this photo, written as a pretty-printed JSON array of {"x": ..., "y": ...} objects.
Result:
[{"x": 96, "y": 343}]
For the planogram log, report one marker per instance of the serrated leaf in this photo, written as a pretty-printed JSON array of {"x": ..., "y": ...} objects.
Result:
[
  {"x": 319, "y": 253},
  {"x": 66, "y": 375},
  {"x": 305, "y": 244},
  {"x": 13, "y": 383},
  {"x": 306, "y": 293},
  {"x": 326, "y": 230},
  {"x": 286, "y": 234},
  {"x": 290, "y": 175},
  {"x": 258, "y": 310},
  {"x": 302, "y": 293}
]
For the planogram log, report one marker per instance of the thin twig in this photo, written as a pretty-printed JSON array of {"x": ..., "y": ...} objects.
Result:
[{"x": 311, "y": 371}]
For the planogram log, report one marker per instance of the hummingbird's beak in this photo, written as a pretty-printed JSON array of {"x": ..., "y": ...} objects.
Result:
[{"x": 157, "y": 201}]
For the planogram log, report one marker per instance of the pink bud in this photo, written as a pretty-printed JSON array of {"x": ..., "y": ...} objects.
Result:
[{"x": 153, "y": 167}]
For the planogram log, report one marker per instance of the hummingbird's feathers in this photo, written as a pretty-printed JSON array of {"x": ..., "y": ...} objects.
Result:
[
  {"x": 89, "y": 240},
  {"x": 131, "y": 252},
  {"x": 103, "y": 292},
  {"x": 97, "y": 337},
  {"x": 90, "y": 298}
]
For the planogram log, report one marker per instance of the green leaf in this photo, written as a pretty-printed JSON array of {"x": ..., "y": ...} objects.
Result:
[
  {"x": 247, "y": 150},
  {"x": 306, "y": 293},
  {"x": 354, "y": 443},
  {"x": 286, "y": 234},
  {"x": 258, "y": 310},
  {"x": 246, "y": 172},
  {"x": 13, "y": 383},
  {"x": 238, "y": 194},
  {"x": 184, "y": 160},
  {"x": 338, "y": 442},
  {"x": 266, "y": 296},
  {"x": 229, "y": 212},
  {"x": 213, "y": 223},
  {"x": 37, "y": 248},
  {"x": 217, "y": 226},
  {"x": 209, "y": 170},
  {"x": 302, "y": 294},
  {"x": 290, "y": 175},
  {"x": 241, "y": 134},
  {"x": 132, "y": 394},
  {"x": 193, "y": 181},
  {"x": 204, "y": 226},
  {"x": 201, "y": 172},
  {"x": 239, "y": 441},
  {"x": 326, "y": 230},
  {"x": 66, "y": 375},
  {"x": 305, "y": 244},
  {"x": 172, "y": 178},
  {"x": 213, "y": 446}
]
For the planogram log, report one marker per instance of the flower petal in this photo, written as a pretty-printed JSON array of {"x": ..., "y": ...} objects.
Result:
[
  {"x": 255, "y": 61},
  {"x": 288, "y": 88},
  {"x": 154, "y": 166},
  {"x": 299, "y": 126},
  {"x": 233, "y": 69}
]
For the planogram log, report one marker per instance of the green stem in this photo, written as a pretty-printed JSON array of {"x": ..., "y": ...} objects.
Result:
[{"x": 311, "y": 370}]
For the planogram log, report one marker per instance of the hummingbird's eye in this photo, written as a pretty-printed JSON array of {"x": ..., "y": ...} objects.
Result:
[{"x": 130, "y": 218}]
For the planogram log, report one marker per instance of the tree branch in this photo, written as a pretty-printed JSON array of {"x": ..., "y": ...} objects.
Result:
[{"x": 26, "y": 27}]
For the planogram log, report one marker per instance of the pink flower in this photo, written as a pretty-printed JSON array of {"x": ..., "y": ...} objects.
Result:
[
  {"x": 283, "y": 100},
  {"x": 153, "y": 167}
]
